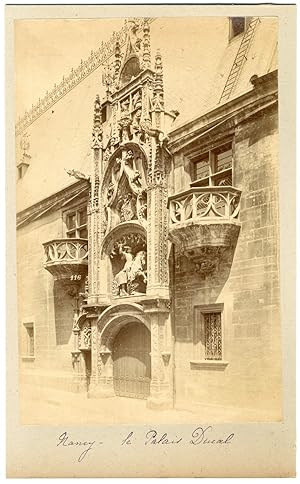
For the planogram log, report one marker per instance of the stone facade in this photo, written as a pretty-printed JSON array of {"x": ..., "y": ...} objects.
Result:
[
  {"x": 245, "y": 281},
  {"x": 168, "y": 242}
]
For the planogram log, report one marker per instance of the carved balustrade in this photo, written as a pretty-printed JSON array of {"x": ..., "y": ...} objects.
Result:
[
  {"x": 204, "y": 204},
  {"x": 67, "y": 258},
  {"x": 204, "y": 217}
]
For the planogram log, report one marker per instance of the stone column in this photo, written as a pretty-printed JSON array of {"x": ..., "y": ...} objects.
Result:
[
  {"x": 77, "y": 363},
  {"x": 157, "y": 240},
  {"x": 94, "y": 212},
  {"x": 161, "y": 387},
  {"x": 104, "y": 385},
  {"x": 94, "y": 356},
  {"x": 157, "y": 232}
]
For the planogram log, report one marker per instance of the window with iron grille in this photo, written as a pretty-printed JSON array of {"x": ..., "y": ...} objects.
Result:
[
  {"x": 76, "y": 223},
  {"x": 214, "y": 167},
  {"x": 208, "y": 333},
  {"x": 212, "y": 336}
]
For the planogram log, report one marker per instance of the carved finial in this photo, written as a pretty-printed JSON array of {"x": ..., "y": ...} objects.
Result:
[
  {"x": 158, "y": 90},
  {"x": 146, "y": 45},
  {"x": 97, "y": 128}
]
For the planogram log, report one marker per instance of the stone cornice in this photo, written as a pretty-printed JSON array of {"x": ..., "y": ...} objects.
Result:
[
  {"x": 265, "y": 93},
  {"x": 76, "y": 76},
  {"x": 55, "y": 201}
]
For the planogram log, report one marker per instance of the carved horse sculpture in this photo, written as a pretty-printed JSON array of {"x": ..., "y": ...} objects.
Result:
[
  {"x": 132, "y": 274},
  {"x": 138, "y": 267}
]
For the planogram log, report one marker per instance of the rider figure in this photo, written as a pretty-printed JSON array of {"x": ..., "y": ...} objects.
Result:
[{"x": 122, "y": 277}]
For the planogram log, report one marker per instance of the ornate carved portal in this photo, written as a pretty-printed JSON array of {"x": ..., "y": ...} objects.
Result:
[{"x": 128, "y": 217}]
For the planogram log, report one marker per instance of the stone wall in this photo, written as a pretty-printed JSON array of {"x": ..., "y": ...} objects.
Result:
[
  {"x": 44, "y": 302},
  {"x": 249, "y": 288}
]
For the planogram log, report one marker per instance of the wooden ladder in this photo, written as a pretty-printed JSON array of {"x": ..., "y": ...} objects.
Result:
[{"x": 239, "y": 60}]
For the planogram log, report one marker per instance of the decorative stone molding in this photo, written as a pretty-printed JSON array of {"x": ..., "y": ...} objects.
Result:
[
  {"x": 193, "y": 236},
  {"x": 206, "y": 259},
  {"x": 157, "y": 305},
  {"x": 218, "y": 365},
  {"x": 132, "y": 232}
]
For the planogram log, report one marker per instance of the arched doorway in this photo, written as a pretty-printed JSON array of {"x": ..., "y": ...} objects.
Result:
[{"x": 131, "y": 361}]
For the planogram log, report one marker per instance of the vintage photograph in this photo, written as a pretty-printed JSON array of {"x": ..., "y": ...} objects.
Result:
[{"x": 147, "y": 180}]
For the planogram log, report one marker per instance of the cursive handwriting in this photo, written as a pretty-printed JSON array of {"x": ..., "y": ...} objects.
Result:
[
  {"x": 200, "y": 436},
  {"x": 65, "y": 441},
  {"x": 152, "y": 437}
]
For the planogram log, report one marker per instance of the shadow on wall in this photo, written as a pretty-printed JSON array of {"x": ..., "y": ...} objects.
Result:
[
  {"x": 196, "y": 284},
  {"x": 64, "y": 305}
]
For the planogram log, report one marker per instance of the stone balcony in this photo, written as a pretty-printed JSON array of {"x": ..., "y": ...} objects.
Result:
[
  {"x": 204, "y": 219},
  {"x": 67, "y": 258}
]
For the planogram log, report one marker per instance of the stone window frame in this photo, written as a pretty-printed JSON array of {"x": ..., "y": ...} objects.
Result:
[
  {"x": 199, "y": 360},
  {"x": 26, "y": 355},
  {"x": 209, "y": 151},
  {"x": 231, "y": 34},
  {"x": 75, "y": 209}
]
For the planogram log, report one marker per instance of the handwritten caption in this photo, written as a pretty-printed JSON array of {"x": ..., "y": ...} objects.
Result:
[{"x": 199, "y": 436}]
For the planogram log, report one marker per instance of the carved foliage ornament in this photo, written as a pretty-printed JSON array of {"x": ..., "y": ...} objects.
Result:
[
  {"x": 84, "y": 342},
  {"x": 206, "y": 259}
]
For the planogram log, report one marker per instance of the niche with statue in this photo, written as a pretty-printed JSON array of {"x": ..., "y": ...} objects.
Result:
[{"x": 129, "y": 266}]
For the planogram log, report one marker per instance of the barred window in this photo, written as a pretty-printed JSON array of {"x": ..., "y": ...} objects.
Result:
[
  {"x": 208, "y": 332},
  {"x": 212, "y": 336}
]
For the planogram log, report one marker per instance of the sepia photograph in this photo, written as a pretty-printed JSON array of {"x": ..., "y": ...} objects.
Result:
[{"x": 148, "y": 222}]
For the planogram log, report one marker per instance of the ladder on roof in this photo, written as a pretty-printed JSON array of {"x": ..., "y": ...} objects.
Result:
[{"x": 239, "y": 60}]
